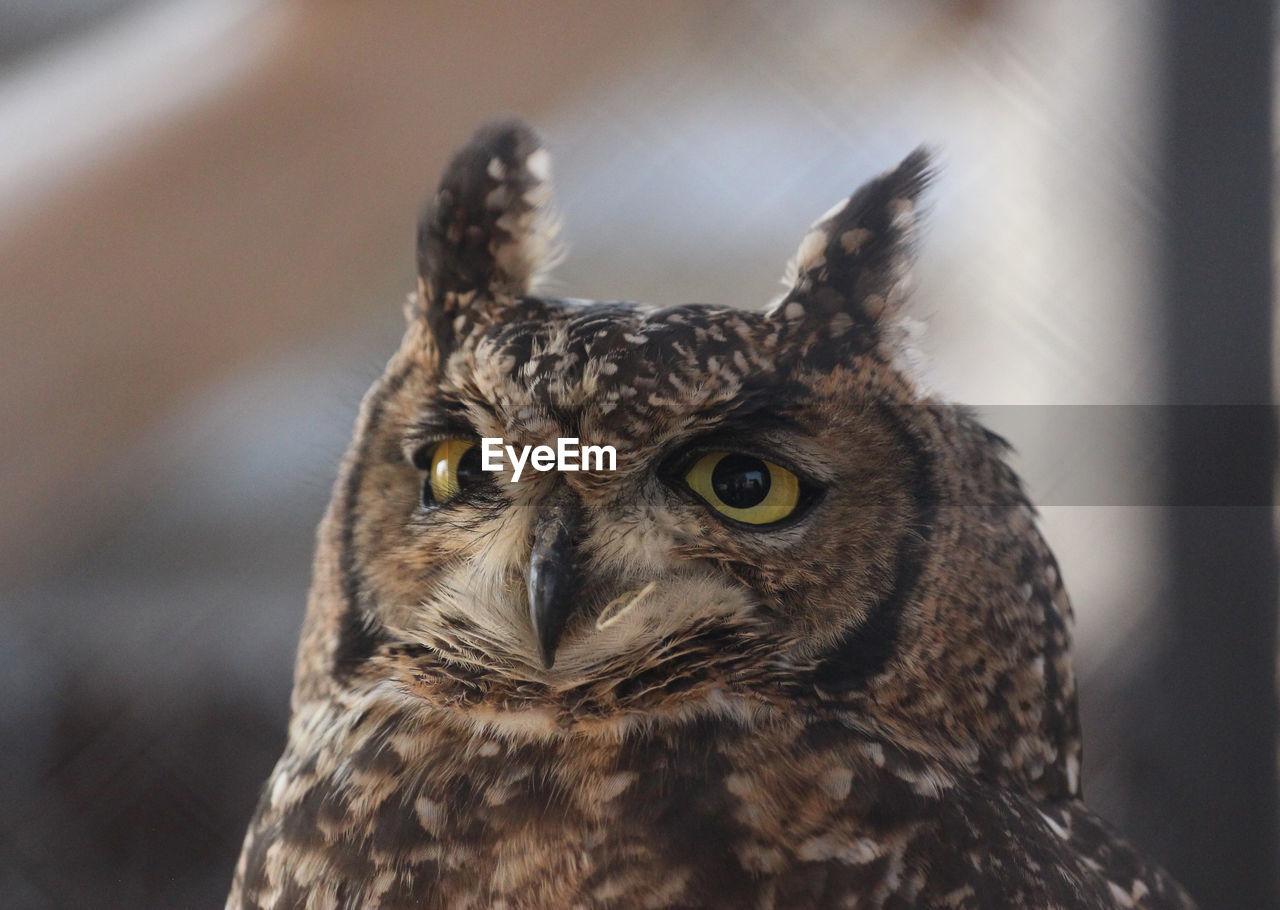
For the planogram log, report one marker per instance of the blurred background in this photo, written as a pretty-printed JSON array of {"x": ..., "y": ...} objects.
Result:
[{"x": 207, "y": 215}]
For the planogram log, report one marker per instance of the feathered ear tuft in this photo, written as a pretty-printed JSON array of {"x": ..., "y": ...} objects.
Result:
[
  {"x": 849, "y": 275},
  {"x": 489, "y": 231}
]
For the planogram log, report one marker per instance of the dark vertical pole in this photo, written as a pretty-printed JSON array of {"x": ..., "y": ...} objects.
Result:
[{"x": 1212, "y": 799}]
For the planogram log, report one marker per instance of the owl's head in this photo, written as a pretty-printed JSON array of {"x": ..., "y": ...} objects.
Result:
[{"x": 788, "y": 522}]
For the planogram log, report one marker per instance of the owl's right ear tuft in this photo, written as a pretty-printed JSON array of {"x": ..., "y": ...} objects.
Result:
[
  {"x": 489, "y": 231},
  {"x": 849, "y": 276}
]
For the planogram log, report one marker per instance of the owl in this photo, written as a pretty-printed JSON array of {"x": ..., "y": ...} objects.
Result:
[{"x": 799, "y": 644}]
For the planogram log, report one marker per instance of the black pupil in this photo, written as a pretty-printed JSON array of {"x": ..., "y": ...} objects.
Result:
[
  {"x": 741, "y": 481},
  {"x": 469, "y": 467}
]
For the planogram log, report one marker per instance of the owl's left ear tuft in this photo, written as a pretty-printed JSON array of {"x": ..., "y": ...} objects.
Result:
[
  {"x": 489, "y": 231},
  {"x": 849, "y": 275}
]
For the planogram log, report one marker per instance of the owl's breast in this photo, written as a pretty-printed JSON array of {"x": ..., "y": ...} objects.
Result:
[
  {"x": 382, "y": 810},
  {"x": 394, "y": 812}
]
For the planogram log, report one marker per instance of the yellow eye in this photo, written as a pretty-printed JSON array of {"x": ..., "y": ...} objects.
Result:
[
  {"x": 452, "y": 466},
  {"x": 744, "y": 487}
]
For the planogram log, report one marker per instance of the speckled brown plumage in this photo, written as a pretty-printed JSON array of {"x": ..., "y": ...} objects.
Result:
[{"x": 871, "y": 705}]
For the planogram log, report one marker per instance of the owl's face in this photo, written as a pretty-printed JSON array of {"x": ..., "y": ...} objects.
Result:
[
  {"x": 766, "y": 534},
  {"x": 755, "y": 503}
]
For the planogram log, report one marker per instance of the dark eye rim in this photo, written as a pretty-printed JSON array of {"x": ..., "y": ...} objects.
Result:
[{"x": 673, "y": 468}]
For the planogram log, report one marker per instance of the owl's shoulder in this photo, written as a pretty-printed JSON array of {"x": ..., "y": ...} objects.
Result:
[{"x": 939, "y": 837}]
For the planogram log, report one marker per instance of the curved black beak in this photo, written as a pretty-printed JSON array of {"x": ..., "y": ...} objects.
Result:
[{"x": 551, "y": 571}]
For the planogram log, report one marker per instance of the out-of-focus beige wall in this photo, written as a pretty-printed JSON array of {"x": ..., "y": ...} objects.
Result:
[{"x": 274, "y": 208}]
